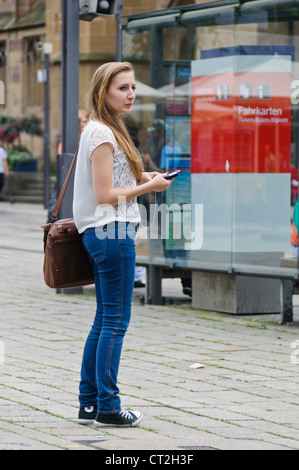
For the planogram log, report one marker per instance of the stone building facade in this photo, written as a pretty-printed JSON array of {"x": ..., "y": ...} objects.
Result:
[{"x": 24, "y": 26}]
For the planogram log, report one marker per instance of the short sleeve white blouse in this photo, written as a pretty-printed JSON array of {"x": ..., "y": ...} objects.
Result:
[
  {"x": 87, "y": 213},
  {"x": 3, "y": 156}
]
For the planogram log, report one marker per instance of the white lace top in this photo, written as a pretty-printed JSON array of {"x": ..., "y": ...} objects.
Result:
[{"x": 87, "y": 213}]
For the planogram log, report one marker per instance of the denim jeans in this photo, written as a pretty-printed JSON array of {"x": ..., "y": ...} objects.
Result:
[{"x": 112, "y": 252}]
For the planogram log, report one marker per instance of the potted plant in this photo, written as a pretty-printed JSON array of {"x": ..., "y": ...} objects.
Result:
[
  {"x": 20, "y": 160},
  {"x": 19, "y": 157}
]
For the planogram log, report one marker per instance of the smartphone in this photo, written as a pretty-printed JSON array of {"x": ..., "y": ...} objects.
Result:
[{"x": 172, "y": 175}]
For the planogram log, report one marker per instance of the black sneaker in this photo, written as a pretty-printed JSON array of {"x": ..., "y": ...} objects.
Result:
[
  {"x": 87, "y": 414},
  {"x": 123, "y": 418}
]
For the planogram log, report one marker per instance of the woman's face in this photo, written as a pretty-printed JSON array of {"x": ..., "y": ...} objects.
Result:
[{"x": 121, "y": 93}]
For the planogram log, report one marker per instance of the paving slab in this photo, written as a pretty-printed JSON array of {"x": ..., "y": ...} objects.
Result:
[{"x": 245, "y": 395}]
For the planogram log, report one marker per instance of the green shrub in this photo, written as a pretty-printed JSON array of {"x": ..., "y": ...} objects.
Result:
[{"x": 16, "y": 157}]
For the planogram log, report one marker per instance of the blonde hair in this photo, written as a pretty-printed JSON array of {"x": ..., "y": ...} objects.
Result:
[
  {"x": 82, "y": 114},
  {"x": 101, "y": 111}
]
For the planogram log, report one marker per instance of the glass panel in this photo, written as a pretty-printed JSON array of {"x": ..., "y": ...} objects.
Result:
[
  {"x": 262, "y": 125},
  {"x": 264, "y": 142},
  {"x": 210, "y": 112},
  {"x": 222, "y": 107},
  {"x": 152, "y": 53}
]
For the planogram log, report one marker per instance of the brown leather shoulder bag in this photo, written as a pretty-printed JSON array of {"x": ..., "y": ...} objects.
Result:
[{"x": 66, "y": 263}]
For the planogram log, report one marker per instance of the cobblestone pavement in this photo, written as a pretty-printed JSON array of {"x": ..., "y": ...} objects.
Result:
[{"x": 245, "y": 394}]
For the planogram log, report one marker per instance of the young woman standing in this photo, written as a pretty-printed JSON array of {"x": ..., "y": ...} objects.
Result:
[{"x": 109, "y": 177}]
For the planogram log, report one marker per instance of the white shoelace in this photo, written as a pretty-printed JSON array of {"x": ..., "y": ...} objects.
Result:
[{"x": 125, "y": 414}]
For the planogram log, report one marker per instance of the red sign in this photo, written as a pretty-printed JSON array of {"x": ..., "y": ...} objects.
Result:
[{"x": 241, "y": 122}]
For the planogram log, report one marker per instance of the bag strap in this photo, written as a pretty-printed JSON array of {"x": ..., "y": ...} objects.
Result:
[{"x": 56, "y": 209}]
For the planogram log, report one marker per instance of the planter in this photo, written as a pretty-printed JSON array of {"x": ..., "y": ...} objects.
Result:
[{"x": 27, "y": 166}]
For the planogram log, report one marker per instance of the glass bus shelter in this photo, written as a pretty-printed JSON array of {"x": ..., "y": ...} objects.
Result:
[{"x": 217, "y": 98}]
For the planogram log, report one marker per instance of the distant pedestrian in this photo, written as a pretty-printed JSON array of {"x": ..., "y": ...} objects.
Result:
[
  {"x": 82, "y": 120},
  {"x": 109, "y": 177},
  {"x": 4, "y": 171},
  {"x": 139, "y": 280}
]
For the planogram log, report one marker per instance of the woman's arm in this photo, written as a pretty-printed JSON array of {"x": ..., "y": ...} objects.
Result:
[
  {"x": 102, "y": 167},
  {"x": 5, "y": 166},
  {"x": 148, "y": 175}
]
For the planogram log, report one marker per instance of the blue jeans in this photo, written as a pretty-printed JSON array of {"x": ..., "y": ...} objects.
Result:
[{"x": 112, "y": 252}]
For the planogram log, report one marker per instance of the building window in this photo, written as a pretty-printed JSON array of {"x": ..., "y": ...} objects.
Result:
[
  {"x": 33, "y": 92},
  {"x": 2, "y": 71}
]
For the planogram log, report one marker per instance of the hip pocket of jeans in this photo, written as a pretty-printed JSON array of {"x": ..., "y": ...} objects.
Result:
[{"x": 95, "y": 247}]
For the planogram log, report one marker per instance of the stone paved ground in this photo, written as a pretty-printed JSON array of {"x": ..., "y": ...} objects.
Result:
[{"x": 246, "y": 395}]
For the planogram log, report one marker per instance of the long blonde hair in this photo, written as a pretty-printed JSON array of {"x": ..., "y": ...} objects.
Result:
[{"x": 101, "y": 111}]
